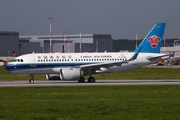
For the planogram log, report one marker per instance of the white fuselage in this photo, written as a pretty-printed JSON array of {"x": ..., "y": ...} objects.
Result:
[{"x": 50, "y": 63}]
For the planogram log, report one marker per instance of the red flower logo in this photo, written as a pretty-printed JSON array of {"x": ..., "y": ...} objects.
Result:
[{"x": 154, "y": 41}]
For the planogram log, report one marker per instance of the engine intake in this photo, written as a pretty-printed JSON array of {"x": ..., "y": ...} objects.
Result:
[
  {"x": 52, "y": 77},
  {"x": 70, "y": 74}
]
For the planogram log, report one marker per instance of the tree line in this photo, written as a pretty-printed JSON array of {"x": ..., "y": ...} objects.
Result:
[{"x": 129, "y": 45}]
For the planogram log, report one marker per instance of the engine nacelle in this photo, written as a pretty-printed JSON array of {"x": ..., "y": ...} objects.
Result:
[
  {"x": 70, "y": 74},
  {"x": 52, "y": 77}
]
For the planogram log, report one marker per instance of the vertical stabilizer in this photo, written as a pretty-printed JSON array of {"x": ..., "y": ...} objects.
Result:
[{"x": 153, "y": 40}]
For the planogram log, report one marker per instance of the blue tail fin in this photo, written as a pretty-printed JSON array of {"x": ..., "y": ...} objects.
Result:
[{"x": 153, "y": 40}]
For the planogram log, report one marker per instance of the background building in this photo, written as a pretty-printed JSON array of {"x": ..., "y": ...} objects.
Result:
[
  {"x": 9, "y": 42},
  {"x": 173, "y": 47},
  {"x": 66, "y": 43}
]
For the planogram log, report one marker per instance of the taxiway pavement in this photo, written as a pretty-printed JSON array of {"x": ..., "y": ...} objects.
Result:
[{"x": 46, "y": 83}]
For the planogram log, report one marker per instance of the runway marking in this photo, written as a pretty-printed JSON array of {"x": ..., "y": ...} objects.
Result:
[{"x": 97, "y": 83}]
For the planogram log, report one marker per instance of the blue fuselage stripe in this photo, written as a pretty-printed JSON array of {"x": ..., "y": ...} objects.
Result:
[{"x": 12, "y": 67}]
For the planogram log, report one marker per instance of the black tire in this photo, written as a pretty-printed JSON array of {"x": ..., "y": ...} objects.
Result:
[
  {"x": 81, "y": 80},
  {"x": 91, "y": 79}
]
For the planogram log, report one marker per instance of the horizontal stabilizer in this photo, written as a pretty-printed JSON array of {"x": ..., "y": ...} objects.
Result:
[{"x": 152, "y": 58}]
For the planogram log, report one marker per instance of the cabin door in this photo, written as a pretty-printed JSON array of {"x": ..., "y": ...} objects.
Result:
[{"x": 33, "y": 61}]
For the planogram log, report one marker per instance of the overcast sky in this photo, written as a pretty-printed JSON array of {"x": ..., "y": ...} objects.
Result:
[{"x": 120, "y": 18}]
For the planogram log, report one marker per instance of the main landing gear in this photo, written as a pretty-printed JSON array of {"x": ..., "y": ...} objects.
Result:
[
  {"x": 90, "y": 80},
  {"x": 31, "y": 79},
  {"x": 81, "y": 79}
]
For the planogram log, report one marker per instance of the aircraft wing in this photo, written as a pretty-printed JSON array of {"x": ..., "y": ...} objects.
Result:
[
  {"x": 97, "y": 66},
  {"x": 4, "y": 60},
  {"x": 7, "y": 58}
]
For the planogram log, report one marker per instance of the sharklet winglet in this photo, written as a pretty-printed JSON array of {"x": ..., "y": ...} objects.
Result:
[{"x": 135, "y": 55}]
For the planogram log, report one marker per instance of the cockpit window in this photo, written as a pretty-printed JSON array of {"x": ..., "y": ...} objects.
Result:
[{"x": 18, "y": 60}]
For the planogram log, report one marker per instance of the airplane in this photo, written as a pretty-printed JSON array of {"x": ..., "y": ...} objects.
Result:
[
  {"x": 5, "y": 59},
  {"x": 74, "y": 66}
]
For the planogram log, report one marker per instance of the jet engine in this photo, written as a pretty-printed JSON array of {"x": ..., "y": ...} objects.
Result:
[
  {"x": 52, "y": 77},
  {"x": 70, "y": 74}
]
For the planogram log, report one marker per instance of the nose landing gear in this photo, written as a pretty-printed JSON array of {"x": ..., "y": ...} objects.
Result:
[{"x": 31, "y": 81}]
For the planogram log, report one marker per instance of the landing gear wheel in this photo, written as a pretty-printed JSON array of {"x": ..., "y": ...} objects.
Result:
[
  {"x": 81, "y": 79},
  {"x": 91, "y": 79},
  {"x": 31, "y": 81}
]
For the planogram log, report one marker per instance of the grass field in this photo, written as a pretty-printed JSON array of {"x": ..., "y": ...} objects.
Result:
[
  {"x": 96, "y": 103},
  {"x": 93, "y": 102},
  {"x": 140, "y": 73}
]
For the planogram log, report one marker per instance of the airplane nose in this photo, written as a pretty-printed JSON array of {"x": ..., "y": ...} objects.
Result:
[{"x": 9, "y": 67}]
